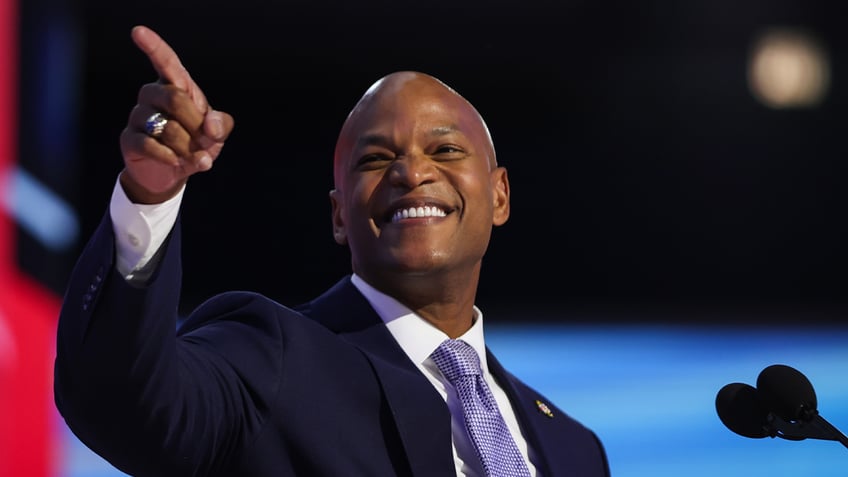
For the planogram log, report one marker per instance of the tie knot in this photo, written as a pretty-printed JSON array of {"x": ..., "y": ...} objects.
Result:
[{"x": 456, "y": 358}]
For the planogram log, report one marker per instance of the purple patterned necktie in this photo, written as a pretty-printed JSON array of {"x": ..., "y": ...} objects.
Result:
[{"x": 498, "y": 453}]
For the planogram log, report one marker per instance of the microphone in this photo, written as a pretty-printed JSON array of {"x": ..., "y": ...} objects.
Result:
[
  {"x": 740, "y": 409},
  {"x": 787, "y": 392},
  {"x": 782, "y": 405}
]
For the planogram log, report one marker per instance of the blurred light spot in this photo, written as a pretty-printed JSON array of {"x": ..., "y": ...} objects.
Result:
[
  {"x": 788, "y": 69},
  {"x": 39, "y": 211}
]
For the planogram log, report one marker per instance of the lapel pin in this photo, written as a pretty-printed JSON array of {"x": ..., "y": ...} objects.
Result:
[{"x": 544, "y": 409}]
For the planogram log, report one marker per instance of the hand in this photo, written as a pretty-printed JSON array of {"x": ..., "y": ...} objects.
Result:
[{"x": 156, "y": 168}]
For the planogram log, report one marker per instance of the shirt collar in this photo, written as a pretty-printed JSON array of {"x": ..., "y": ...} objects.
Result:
[{"x": 416, "y": 336}]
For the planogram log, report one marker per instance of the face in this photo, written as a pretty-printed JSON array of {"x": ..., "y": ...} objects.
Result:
[{"x": 417, "y": 187}]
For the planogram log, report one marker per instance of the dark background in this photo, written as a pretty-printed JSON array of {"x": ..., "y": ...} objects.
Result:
[{"x": 647, "y": 182}]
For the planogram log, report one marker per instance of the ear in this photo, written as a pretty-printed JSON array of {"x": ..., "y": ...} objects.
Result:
[
  {"x": 500, "y": 195},
  {"x": 339, "y": 233}
]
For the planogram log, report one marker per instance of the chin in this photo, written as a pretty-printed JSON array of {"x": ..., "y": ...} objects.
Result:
[{"x": 415, "y": 264}]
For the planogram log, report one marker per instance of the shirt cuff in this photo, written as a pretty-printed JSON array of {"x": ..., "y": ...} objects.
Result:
[{"x": 140, "y": 229}]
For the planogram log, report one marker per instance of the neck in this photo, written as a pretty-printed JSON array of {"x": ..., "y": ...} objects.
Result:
[{"x": 446, "y": 302}]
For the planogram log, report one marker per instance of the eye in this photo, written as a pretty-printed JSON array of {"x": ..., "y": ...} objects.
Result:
[
  {"x": 449, "y": 151},
  {"x": 372, "y": 161}
]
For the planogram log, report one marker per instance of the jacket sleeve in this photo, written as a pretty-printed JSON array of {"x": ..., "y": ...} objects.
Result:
[{"x": 150, "y": 399}]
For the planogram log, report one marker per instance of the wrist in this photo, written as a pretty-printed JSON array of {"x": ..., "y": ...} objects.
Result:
[{"x": 139, "y": 194}]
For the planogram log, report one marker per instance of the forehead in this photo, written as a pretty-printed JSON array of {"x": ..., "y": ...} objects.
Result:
[{"x": 405, "y": 101}]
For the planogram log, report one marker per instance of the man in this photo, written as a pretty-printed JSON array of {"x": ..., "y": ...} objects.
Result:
[{"x": 361, "y": 381}]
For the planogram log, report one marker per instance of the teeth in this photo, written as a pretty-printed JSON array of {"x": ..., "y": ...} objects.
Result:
[{"x": 413, "y": 212}]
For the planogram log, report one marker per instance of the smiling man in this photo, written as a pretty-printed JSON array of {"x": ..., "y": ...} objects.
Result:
[
  {"x": 387, "y": 373},
  {"x": 417, "y": 193}
]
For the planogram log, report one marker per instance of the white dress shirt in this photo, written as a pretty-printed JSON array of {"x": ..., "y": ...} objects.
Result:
[
  {"x": 419, "y": 338},
  {"x": 141, "y": 229}
]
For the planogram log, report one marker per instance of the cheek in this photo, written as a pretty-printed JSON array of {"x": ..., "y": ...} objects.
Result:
[
  {"x": 364, "y": 189},
  {"x": 477, "y": 191},
  {"x": 361, "y": 208}
]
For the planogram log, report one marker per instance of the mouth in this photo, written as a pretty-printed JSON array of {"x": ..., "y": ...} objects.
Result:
[
  {"x": 415, "y": 212},
  {"x": 401, "y": 212}
]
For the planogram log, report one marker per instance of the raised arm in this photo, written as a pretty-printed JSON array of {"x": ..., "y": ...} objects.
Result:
[{"x": 150, "y": 402}]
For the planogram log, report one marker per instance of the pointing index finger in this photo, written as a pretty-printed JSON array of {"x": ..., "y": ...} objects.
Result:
[{"x": 166, "y": 63}]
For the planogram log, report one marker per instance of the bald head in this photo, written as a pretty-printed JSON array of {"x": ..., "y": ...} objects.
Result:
[
  {"x": 404, "y": 91},
  {"x": 417, "y": 191}
]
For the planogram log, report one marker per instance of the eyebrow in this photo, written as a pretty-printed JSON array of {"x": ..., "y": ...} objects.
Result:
[
  {"x": 371, "y": 140},
  {"x": 444, "y": 130},
  {"x": 382, "y": 140}
]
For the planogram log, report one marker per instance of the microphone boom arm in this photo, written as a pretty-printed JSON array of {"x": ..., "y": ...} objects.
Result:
[{"x": 816, "y": 428}]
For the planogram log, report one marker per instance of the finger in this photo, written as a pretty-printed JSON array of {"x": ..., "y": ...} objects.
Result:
[
  {"x": 174, "y": 103},
  {"x": 138, "y": 146},
  {"x": 199, "y": 161},
  {"x": 141, "y": 150},
  {"x": 217, "y": 125},
  {"x": 167, "y": 64},
  {"x": 174, "y": 136},
  {"x": 213, "y": 127},
  {"x": 163, "y": 58},
  {"x": 216, "y": 128}
]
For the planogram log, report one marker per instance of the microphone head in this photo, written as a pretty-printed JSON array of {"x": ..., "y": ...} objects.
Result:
[
  {"x": 740, "y": 409},
  {"x": 787, "y": 393}
]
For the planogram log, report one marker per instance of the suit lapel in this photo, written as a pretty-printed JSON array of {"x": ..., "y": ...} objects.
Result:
[
  {"x": 421, "y": 416},
  {"x": 525, "y": 410}
]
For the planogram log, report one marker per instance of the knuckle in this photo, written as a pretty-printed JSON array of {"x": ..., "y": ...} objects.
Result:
[
  {"x": 147, "y": 91},
  {"x": 174, "y": 98}
]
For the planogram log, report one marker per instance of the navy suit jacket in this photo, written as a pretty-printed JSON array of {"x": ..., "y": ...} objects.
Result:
[{"x": 247, "y": 387}]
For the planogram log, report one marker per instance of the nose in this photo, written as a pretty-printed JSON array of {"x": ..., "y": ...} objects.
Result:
[{"x": 412, "y": 170}]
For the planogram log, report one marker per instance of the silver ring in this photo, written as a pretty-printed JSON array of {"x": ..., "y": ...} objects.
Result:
[{"x": 155, "y": 124}]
